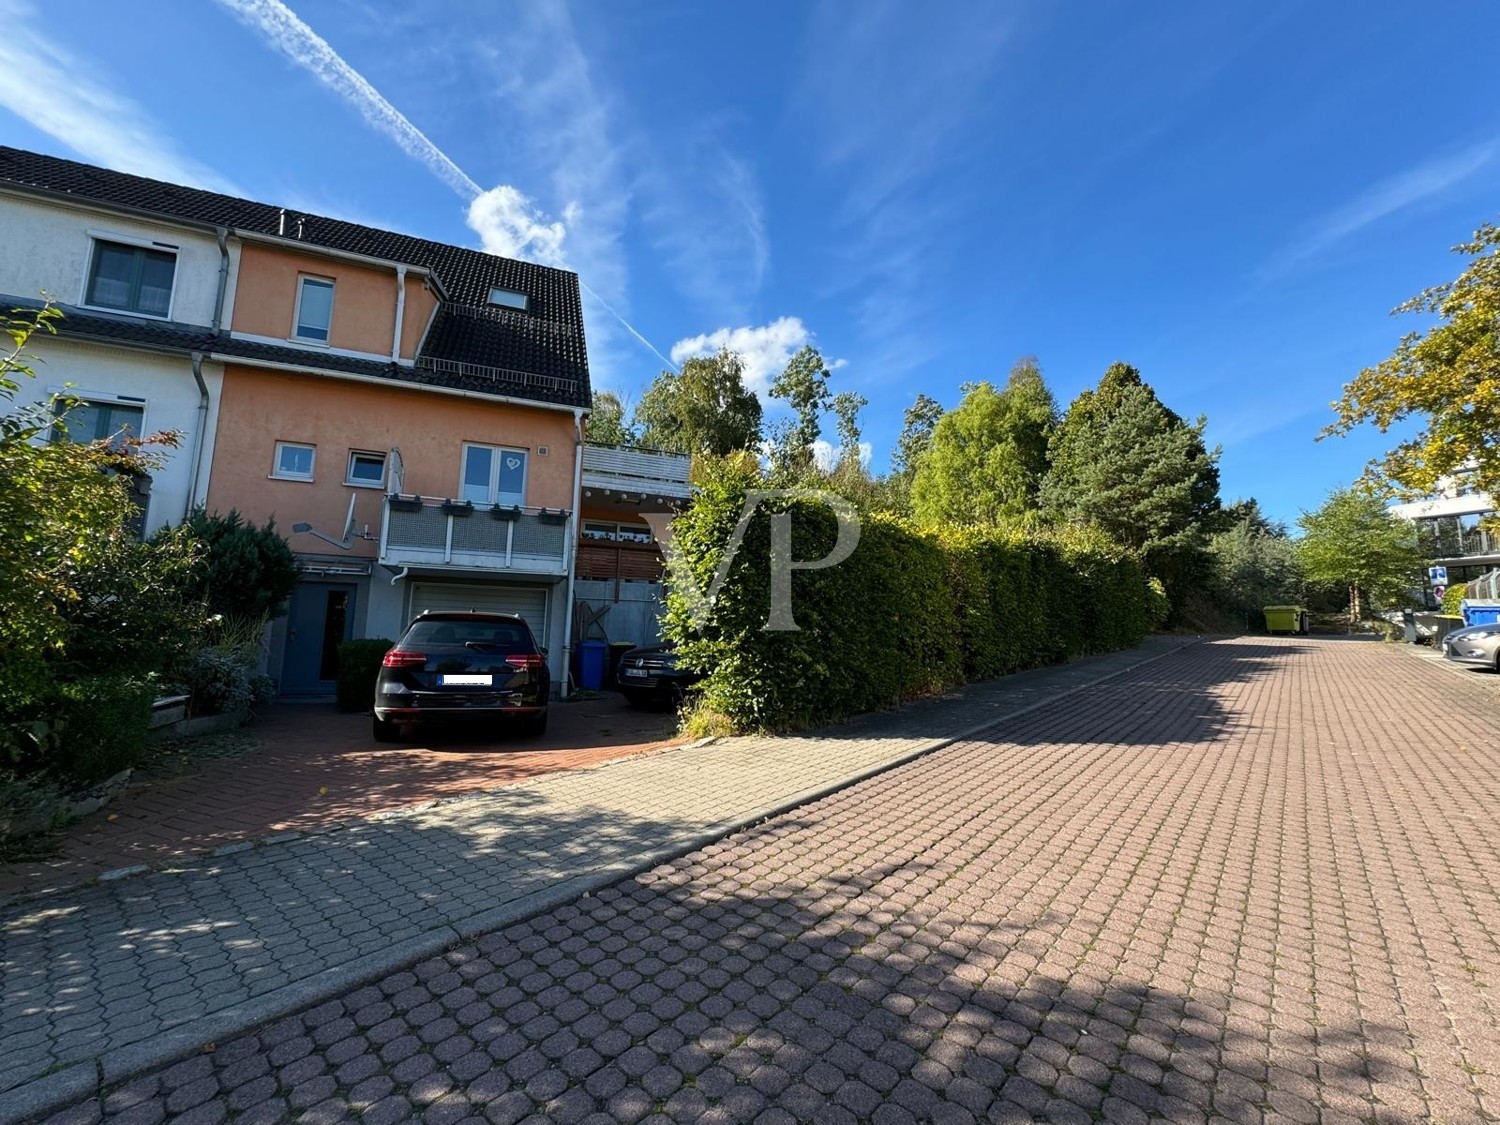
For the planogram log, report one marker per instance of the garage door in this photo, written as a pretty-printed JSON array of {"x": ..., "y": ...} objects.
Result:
[{"x": 527, "y": 602}]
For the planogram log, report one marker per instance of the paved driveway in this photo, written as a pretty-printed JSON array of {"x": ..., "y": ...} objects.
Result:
[
  {"x": 1253, "y": 880},
  {"x": 310, "y": 767}
]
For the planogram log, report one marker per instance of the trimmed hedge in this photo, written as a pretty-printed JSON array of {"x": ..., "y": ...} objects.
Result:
[
  {"x": 359, "y": 664},
  {"x": 907, "y": 614}
]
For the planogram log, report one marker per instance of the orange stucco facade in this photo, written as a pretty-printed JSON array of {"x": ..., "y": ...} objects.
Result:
[
  {"x": 260, "y": 408},
  {"x": 364, "y": 300}
]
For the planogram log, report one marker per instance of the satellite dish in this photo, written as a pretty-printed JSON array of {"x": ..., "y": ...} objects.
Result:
[{"x": 349, "y": 519}]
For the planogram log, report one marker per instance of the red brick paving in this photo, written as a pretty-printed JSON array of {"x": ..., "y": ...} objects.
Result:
[
  {"x": 314, "y": 767},
  {"x": 1255, "y": 881}
]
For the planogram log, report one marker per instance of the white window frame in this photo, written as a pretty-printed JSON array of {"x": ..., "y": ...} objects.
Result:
[
  {"x": 494, "y": 489},
  {"x": 302, "y": 280},
  {"x": 349, "y": 477},
  {"x": 134, "y": 241},
  {"x": 98, "y": 398},
  {"x": 276, "y": 471},
  {"x": 497, "y": 290}
]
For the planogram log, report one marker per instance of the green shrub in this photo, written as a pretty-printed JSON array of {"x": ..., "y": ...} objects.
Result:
[
  {"x": 907, "y": 614},
  {"x": 359, "y": 664},
  {"x": 1454, "y": 594},
  {"x": 246, "y": 572},
  {"x": 99, "y": 727},
  {"x": 223, "y": 679}
]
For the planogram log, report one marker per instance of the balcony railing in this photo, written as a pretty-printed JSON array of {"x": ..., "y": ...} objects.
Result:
[
  {"x": 423, "y": 532},
  {"x": 636, "y": 470},
  {"x": 627, "y": 564},
  {"x": 1455, "y": 543}
]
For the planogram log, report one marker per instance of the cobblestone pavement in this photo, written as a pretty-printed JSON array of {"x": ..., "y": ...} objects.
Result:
[
  {"x": 112, "y": 978},
  {"x": 1254, "y": 880},
  {"x": 314, "y": 767}
]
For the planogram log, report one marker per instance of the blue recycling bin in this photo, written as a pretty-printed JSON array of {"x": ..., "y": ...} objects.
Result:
[
  {"x": 1480, "y": 614},
  {"x": 591, "y": 655}
]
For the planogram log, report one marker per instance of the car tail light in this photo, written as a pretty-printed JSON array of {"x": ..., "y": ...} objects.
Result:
[
  {"x": 526, "y": 660},
  {"x": 400, "y": 658}
]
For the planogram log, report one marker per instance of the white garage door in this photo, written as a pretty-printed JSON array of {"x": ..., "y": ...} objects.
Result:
[{"x": 527, "y": 602}]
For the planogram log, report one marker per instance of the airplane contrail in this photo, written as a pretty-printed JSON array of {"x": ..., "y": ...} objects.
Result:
[{"x": 289, "y": 34}]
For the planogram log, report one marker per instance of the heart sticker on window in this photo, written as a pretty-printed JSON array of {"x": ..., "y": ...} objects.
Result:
[{"x": 512, "y": 462}]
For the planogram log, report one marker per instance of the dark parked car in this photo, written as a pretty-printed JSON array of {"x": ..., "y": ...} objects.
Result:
[
  {"x": 651, "y": 675},
  {"x": 463, "y": 667}
]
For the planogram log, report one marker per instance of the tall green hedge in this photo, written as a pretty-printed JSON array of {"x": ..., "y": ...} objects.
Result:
[
  {"x": 359, "y": 664},
  {"x": 906, "y": 614}
]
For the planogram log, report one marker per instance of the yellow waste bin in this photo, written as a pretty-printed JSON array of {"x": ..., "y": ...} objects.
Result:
[{"x": 1286, "y": 619}]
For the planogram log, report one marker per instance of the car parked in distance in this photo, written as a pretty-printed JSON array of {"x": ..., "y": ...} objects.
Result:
[
  {"x": 647, "y": 676},
  {"x": 1476, "y": 645},
  {"x": 463, "y": 667}
]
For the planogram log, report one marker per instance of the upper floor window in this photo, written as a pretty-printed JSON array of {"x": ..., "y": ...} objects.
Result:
[
  {"x": 294, "y": 461},
  {"x": 366, "y": 469},
  {"x": 493, "y": 475},
  {"x": 509, "y": 299},
  {"x": 314, "y": 309},
  {"x": 90, "y": 421},
  {"x": 134, "y": 279}
]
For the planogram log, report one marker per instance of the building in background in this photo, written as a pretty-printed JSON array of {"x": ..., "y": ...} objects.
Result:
[
  {"x": 410, "y": 413},
  {"x": 1451, "y": 533}
]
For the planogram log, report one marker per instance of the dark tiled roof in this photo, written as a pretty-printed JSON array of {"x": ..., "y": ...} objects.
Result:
[
  {"x": 539, "y": 354},
  {"x": 170, "y": 335}
]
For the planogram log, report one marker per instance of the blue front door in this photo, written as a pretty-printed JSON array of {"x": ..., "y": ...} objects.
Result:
[{"x": 320, "y": 618}]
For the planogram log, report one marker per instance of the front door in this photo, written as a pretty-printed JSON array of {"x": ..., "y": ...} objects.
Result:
[{"x": 320, "y": 618}]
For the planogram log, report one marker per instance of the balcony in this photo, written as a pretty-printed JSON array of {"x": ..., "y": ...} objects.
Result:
[
  {"x": 647, "y": 472},
  {"x": 1443, "y": 542},
  {"x": 623, "y": 564},
  {"x": 421, "y": 532}
]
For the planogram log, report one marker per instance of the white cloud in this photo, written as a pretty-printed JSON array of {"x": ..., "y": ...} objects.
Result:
[
  {"x": 53, "y": 91},
  {"x": 288, "y": 34},
  {"x": 510, "y": 224},
  {"x": 1385, "y": 198},
  {"x": 765, "y": 349}
]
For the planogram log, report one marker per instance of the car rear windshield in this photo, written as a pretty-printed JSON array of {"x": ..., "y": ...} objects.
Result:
[{"x": 508, "y": 636}]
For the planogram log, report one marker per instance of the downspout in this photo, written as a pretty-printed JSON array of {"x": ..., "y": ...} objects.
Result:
[
  {"x": 199, "y": 440},
  {"x": 573, "y": 546},
  {"x": 400, "y": 313}
]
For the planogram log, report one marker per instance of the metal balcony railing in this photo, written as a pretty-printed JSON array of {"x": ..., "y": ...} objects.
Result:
[
  {"x": 417, "y": 531},
  {"x": 636, "y": 470}
]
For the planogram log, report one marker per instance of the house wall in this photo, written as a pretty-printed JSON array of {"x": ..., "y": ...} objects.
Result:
[
  {"x": 420, "y": 302},
  {"x": 262, "y": 407},
  {"x": 47, "y": 248},
  {"x": 364, "y": 298},
  {"x": 171, "y": 400}
]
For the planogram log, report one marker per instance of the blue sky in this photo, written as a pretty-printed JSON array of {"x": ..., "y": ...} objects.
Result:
[{"x": 1229, "y": 197}]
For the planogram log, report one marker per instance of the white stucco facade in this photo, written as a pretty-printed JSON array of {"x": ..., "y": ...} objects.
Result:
[
  {"x": 161, "y": 385},
  {"x": 47, "y": 248}
]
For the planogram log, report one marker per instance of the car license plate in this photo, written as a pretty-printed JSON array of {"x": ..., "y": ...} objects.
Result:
[
  {"x": 466, "y": 681},
  {"x": 635, "y": 672}
]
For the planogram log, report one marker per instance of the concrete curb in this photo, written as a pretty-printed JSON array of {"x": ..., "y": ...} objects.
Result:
[{"x": 82, "y": 1080}]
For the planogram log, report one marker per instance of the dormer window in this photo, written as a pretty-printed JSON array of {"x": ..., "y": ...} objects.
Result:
[
  {"x": 135, "y": 279},
  {"x": 314, "y": 309},
  {"x": 510, "y": 299}
]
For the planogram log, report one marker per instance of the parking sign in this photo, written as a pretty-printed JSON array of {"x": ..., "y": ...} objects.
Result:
[{"x": 1437, "y": 575}]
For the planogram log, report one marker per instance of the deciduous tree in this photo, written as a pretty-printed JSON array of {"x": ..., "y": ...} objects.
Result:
[
  {"x": 607, "y": 425},
  {"x": 987, "y": 456},
  {"x": 1352, "y": 540},
  {"x": 704, "y": 408},
  {"x": 1448, "y": 377},
  {"x": 802, "y": 385}
]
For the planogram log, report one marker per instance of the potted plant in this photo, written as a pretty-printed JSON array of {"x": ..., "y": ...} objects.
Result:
[
  {"x": 502, "y": 512},
  {"x": 401, "y": 503},
  {"x": 458, "y": 507}
]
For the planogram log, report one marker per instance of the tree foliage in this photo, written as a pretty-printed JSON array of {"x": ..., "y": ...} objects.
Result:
[
  {"x": 248, "y": 572},
  {"x": 1124, "y": 462},
  {"x": 704, "y": 408},
  {"x": 607, "y": 425},
  {"x": 1353, "y": 541},
  {"x": 846, "y": 407},
  {"x": 917, "y": 425},
  {"x": 987, "y": 457},
  {"x": 1448, "y": 376},
  {"x": 802, "y": 385},
  {"x": 1253, "y": 565}
]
